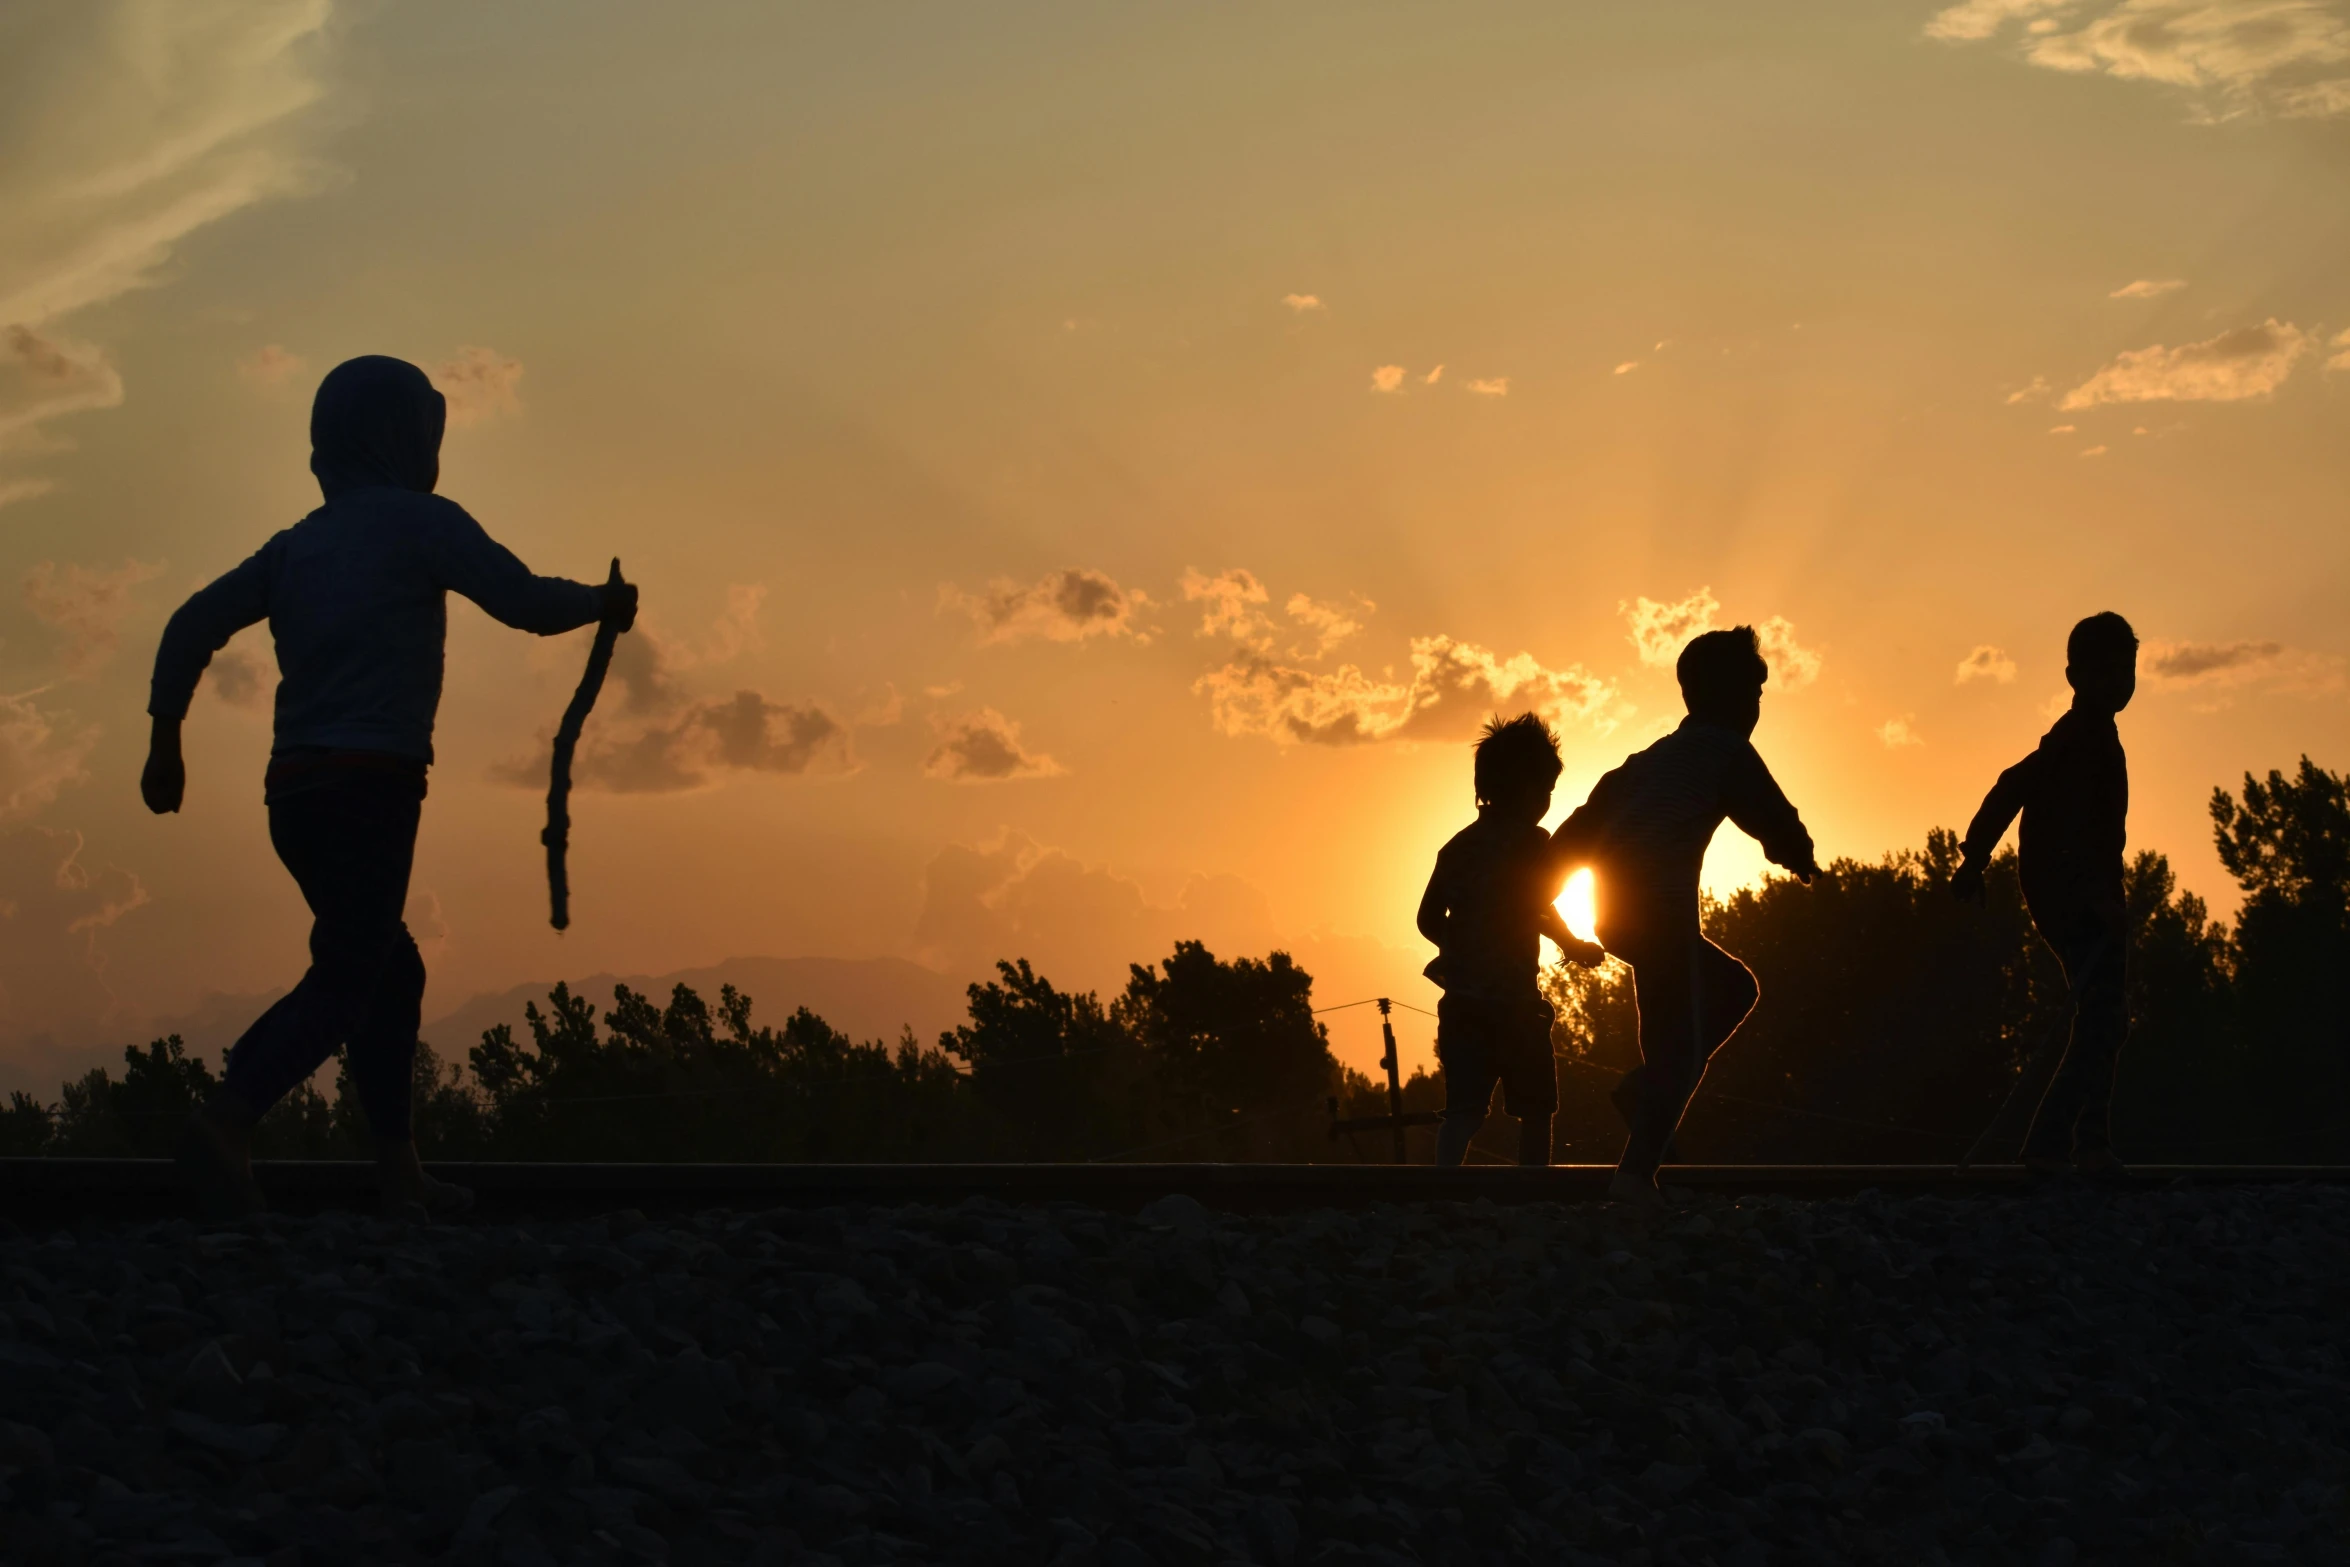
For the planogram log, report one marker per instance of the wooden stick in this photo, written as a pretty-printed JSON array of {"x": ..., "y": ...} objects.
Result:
[{"x": 557, "y": 836}]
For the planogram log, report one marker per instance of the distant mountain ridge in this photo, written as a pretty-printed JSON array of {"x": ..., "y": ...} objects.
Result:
[{"x": 864, "y": 998}]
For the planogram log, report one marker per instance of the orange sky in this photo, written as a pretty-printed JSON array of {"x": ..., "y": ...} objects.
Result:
[{"x": 1121, "y": 452}]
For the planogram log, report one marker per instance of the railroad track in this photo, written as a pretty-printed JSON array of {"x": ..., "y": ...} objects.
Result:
[{"x": 37, "y": 1192}]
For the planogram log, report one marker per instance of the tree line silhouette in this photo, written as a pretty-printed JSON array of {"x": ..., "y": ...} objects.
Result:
[{"x": 1894, "y": 1023}]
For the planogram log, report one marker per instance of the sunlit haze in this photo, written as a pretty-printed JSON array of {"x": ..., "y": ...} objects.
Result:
[{"x": 1092, "y": 468}]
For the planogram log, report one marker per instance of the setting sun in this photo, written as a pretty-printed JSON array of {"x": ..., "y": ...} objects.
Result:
[{"x": 1579, "y": 905}]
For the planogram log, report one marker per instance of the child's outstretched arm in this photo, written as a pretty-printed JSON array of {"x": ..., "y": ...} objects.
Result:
[
  {"x": 1999, "y": 808},
  {"x": 1763, "y": 812},
  {"x": 1572, "y": 947},
  {"x": 198, "y": 629}
]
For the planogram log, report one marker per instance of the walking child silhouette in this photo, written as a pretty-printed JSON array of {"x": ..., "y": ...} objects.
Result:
[
  {"x": 2074, "y": 793},
  {"x": 356, "y": 599}
]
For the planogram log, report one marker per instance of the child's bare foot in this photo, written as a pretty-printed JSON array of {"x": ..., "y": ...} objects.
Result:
[
  {"x": 215, "y": 1159},
  {"x": 409, "y": 1193},
  {"x": 1636, "y": 1190},
  {"x": 2100, "y": 1165}
]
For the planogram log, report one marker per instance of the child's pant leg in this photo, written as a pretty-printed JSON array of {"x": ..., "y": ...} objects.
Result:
[
  {"x": 2076, "y": 1112},
  {"x": 1691, "y": 996},
  {"x": 349, "y": 846},
  {"x": 1465, "y": 1049}
]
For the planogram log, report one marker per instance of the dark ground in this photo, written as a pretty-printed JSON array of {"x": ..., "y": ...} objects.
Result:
[{"x": 2073, "y": 1375}]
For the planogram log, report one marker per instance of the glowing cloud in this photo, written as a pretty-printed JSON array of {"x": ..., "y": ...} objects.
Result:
[
  {"x": 2250, "y": 361},
  {"x": 1387, "y": 378},
  {"x": 1897, "y": 733},
  {"x": 1627, "y": 367},
  {"x": 1498, "y": 386},
  {"x": 1433, "y": 376},
  {"x": 1329, "y": 623},
  {"x": 1792, "y": 664},
  {"x": 2030, "y": 392},
  {"x": 2341, "y": 356},
  {"x": 1986, "y": 663},
  {"x": 2276, "y": 56},
  {"x": 1303, "y": 303},
  {"x": 1659, "y": 631},
  {"x": 2148, "y": 288},
  {"x": 1452, "y": 685},
  {"x": 1231, "y": 599},
  {"x": 984, "y": 747}
]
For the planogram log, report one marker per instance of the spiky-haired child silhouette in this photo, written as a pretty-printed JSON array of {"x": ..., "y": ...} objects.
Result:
[
  {"x": 2074, "y": 793},
  {"x": 1487, "y": 908},
  {"x": 1644, "y": 830}
]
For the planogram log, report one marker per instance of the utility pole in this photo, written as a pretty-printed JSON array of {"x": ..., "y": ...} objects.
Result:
[{"x": 1394, "y": 1121}]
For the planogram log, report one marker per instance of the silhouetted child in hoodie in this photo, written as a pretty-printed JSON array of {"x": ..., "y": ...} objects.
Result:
[
  {"x": 355, "y": 596},
  {"x": 1644, "y": 830},
  {"x": 2074, "y": 793},
  {"x": 1488, "y": 905}
]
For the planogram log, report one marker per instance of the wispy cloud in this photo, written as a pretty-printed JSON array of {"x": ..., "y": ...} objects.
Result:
[
  {"x": 1496, "y": 386},
  {"x": 1986, "y": 663},
  {"x": 661, "y": 738},
  {"x": 1387, "y": 378},
  {"x": 1304, "y": 303},
  {"x": 2233, "y": 57},
  {"x": 2063, "y": 429},
  {"x": 481, "y": 384},
  {"x": 1433, "y": 376},
  {"x": 2094, "y": 451},
  {"x": 2030, "y": 392},
  {"x": 2249, "y": 361},
  {"x": 984, "y": 747},
  {"x": 54, "y": 908},
  {"x": 271, "y": 366},
  {"x": 86, "y": 607},
  {"x": 690, "y": 748},
  {"x": 39, "y": 755},
  {"x": 45, "y": 377},
  {"x": 1075, "y": 604},
  {"x": 131, "y": 125},
  {"x": 2148, "y": 288},
  {"x": 1897, "y": 733},
  {"x": 2340, "y": 358},
  {"x": 1627, "y": 367},
  {"x": 2224, "y": 666}
]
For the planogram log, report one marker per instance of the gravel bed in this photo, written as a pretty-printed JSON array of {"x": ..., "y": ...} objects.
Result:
[{"x": 2067, "y": 1376}]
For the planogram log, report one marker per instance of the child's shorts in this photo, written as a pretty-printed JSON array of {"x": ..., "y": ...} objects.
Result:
[{"x": 1482, "y": 1041}]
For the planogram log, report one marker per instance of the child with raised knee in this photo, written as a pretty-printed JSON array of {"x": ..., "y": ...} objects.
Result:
[{"x": 1644, "y": 830}]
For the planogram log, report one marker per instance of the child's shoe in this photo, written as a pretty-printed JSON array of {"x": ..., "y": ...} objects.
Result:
[{"x": 2099, "y": 1164}]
